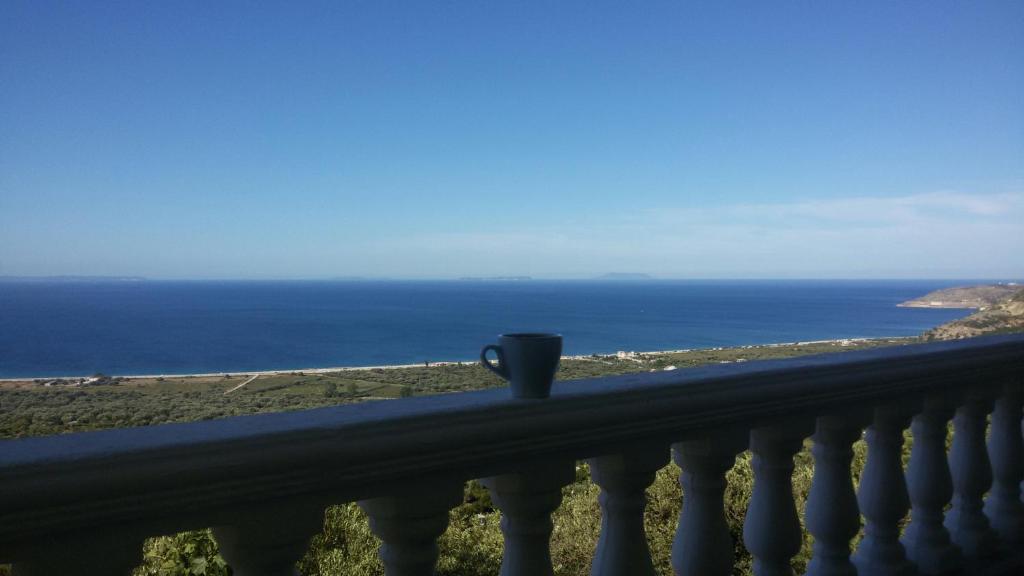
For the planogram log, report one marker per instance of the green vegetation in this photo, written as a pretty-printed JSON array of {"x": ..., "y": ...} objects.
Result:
[
  {"x": 32, "y": 408},
  {"x": 472, "y": 546}
]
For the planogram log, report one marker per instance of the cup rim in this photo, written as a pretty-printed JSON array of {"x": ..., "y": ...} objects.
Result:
[{"x": 530, "y": 335}]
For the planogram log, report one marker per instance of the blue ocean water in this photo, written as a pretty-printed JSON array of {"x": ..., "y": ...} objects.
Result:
[{"x": 151, "y": 327}]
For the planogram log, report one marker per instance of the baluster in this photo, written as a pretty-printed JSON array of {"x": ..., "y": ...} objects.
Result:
[
  {"x": 771, "y": 531},
  {"x": 1003, "y": 507},
  {"x": 526, "y": 500},
  {"x": 832, "y": 515},
  {"x": 930, "y": 485},
  {"x": 972, "y": 475},
  {"x": 410, "y": 524},
  {"x": 703, "y": 545},
  {"x": 622, "y": 548},
  {"x": 883, "y": 496},
  {"x": 269, "y": 538},
  {"x": 102, "y": 554}
]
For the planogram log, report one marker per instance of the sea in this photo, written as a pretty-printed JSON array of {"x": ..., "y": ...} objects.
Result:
[{"x": 75, "y": 328}]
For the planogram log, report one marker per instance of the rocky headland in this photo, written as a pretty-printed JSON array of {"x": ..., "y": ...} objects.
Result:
[
  {"x": 980, "y": 297},
  {"x": 1000, "y": 309}
]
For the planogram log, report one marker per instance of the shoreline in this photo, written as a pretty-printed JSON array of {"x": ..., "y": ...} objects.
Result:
[{"x": 619, "y": 354}]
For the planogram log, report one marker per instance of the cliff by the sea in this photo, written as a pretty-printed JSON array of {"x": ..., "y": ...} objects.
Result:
[
  {"x": 981, "y": 297},
  {"x": 1000, "y": 310}
]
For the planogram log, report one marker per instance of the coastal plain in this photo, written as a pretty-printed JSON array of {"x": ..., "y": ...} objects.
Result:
[{"x": 56, "y": 406}]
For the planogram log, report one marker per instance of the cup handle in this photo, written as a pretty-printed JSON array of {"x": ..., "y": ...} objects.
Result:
[{"x": 503, "y": 370}]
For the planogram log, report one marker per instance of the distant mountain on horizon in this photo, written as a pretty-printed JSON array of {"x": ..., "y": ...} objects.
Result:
[
  {"x": 625, "y": 276},
  {"x": 495, "y": 278},
  {"x": 72, "y": 278}
]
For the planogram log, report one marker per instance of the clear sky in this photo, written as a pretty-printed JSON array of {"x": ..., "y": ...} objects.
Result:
[{"x": 554, "y": 139}]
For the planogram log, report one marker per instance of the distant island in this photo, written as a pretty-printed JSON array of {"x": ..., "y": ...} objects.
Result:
[
  {"x": 625, "y": 276},
  {"x": 495, "y": 278},
  {"x": 72, "y": 279},
  {"x": 1000, "y": 310}
]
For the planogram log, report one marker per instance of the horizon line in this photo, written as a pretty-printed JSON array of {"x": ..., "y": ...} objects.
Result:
[{"x": 631, "y": 277}]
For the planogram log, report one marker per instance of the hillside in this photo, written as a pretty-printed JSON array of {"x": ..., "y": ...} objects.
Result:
[
  {"x": 965, "y": 297},
  {"x": 1005, "y": 315}
]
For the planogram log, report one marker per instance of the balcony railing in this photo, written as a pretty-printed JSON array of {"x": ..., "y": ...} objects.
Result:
[{"x": 83, "y": 503}]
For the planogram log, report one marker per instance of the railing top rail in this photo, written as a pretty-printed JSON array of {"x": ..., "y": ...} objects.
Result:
[{"x": 348, "y": 451}]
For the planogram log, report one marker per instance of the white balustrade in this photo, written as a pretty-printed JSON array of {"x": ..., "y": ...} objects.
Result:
[
  {"x": 263, "y": 481},
  {"x": 1003, "y": 506},
  {"x": 831, "y": 514},
  {"x": 622, "y": 548},
  {"x": 268, "y": 538},
  {"x": 930, "y": 485},
  {"x": 703, "y": 545},
  {"x": 409, "y": 525},
  {"x": 972, "y": 476},
  {"x": 771, "y": 531},
  {"x": 883, "y": 497},
  {"x": 526, "y": 500}
]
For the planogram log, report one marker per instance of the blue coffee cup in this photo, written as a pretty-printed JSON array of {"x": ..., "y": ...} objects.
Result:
[{"x": 528, "y": 361}]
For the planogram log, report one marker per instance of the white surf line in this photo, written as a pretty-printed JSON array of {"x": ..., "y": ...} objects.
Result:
[
  {"x": 242, "y": 384},
  {"x": 460, "y": 362},
  {"x": 286, "y": 372}
]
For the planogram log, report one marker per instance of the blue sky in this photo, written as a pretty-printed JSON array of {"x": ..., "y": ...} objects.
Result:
[{"x": 554, "y": 139}]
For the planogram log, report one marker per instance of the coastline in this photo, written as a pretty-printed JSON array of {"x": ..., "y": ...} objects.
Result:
[
  {"x": 583, "y": 357},
  {"x": 215, "y": 338}
]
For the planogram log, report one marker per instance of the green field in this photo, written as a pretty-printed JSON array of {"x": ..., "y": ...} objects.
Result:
[{"x": 28, "y": 408}]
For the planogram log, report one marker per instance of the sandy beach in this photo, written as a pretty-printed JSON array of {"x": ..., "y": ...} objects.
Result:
[{"x": 332, "y": 369}]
